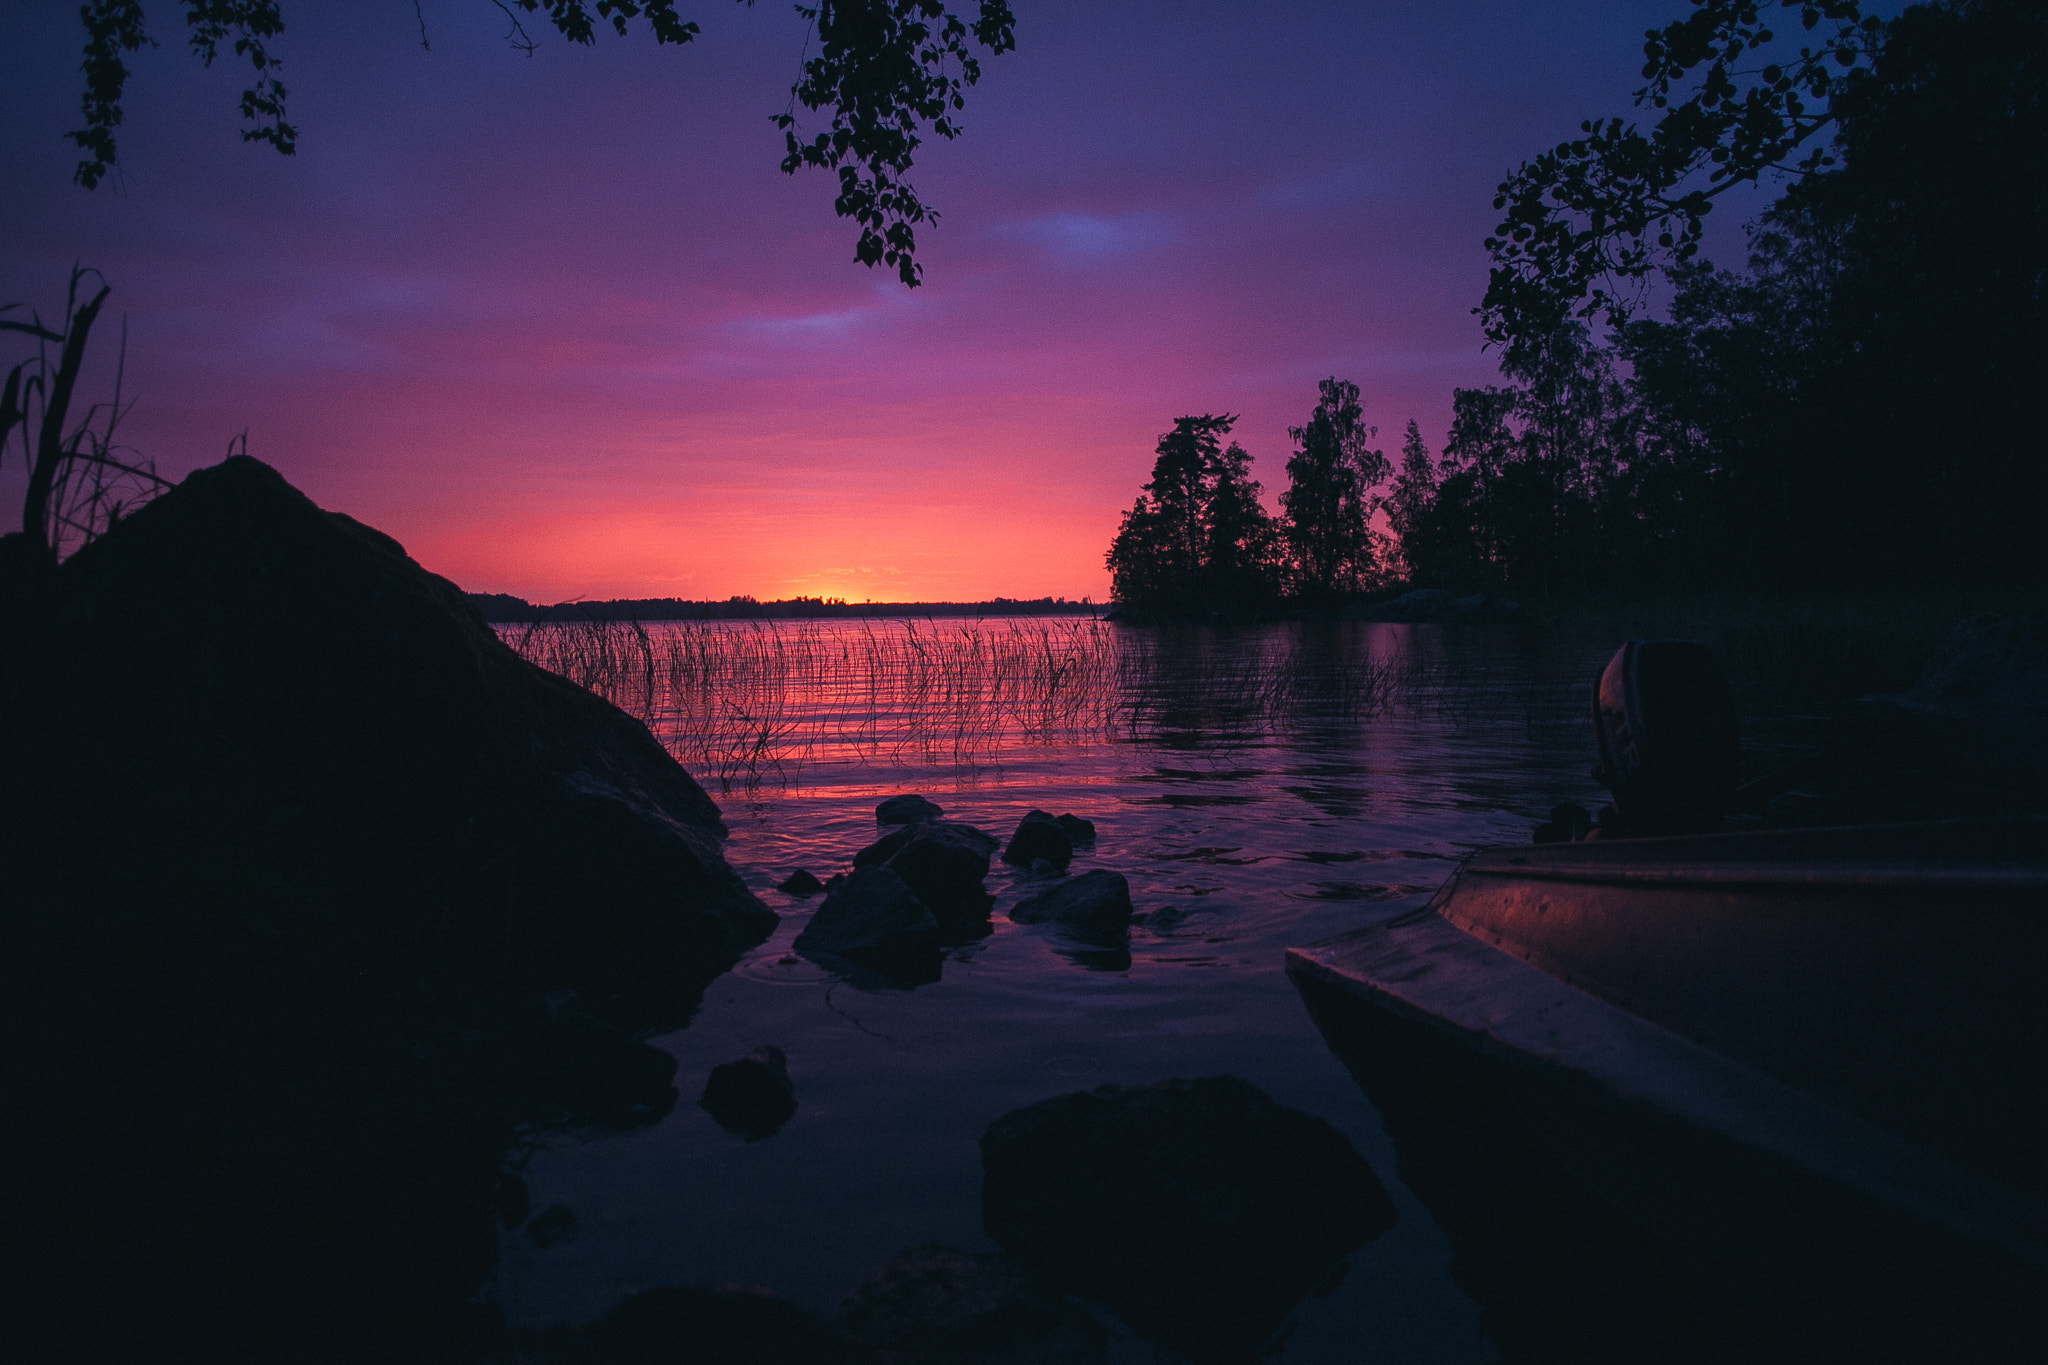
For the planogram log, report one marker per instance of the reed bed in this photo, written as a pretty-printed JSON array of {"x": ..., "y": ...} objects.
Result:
[{"x": 742, "y": 703}]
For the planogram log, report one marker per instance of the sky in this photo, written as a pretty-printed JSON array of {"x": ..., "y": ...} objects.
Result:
[{"x": 560, "y": 324}]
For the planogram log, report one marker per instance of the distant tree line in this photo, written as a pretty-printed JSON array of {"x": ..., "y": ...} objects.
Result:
[
  {"x": 504, "y": 608},
  {"x": 1863, "y": 407}
]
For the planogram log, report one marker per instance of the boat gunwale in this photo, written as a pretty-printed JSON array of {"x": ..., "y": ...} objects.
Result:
[
  {"x": 2001, "y": 880},
  {"x": 1506, "y": 1008}
]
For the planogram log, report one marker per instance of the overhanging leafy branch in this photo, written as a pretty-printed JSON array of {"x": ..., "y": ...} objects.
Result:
[
  {"x": 886, "y": 69},
  {"x": 1583, "y": 220}
]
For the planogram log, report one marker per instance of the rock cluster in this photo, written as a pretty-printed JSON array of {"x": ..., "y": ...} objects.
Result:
[{"x": 919, "y": 889}]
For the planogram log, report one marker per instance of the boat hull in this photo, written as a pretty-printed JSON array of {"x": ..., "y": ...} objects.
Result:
[{"x": 1719, "y": 1045}]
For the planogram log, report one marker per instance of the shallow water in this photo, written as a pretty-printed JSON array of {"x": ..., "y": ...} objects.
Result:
[{"x": 1245, "y": 820}]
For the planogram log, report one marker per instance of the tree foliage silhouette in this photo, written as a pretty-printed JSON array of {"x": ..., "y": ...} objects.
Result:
[
  {"x": 1328, "y": 502},
  {"x": 886, "y": 69},
  {"x": 1862, "y": 407},
  {"x": 1598, "y": 212},
  {"x": 1198, "y": 541}
]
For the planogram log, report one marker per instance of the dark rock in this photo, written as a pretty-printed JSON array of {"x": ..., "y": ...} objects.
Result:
[
  {"x": 800, "y": 883},
  {"x": 1200, "y": 1210},
  {"x": 552, "y": 1226},
  {"x": 907, "y": 809},
  {"x": 723, "y": 1326},
  {"x": 556, "y": 1067},
  {"x": 935, "y": 1304},
  {"x": 290, "y": 834},
  {"x": 1039, "y": 836},
  {"x": 944, "y": 864},
  {"x": 753, "y": 1096},
  {"x": 1096, "y": 903},
  {"x": 873, "y": 920},
  {"x": 1080, "y": 833},
  {"x": 315, "y": 731},
  {"x": 883, "y": 849}
]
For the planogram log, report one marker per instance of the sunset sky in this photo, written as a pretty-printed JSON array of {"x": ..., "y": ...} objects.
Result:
[{"x": 561, "y": 326}]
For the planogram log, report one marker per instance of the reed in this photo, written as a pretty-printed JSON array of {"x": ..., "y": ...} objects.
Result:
[{"x": 742, "y": 703}]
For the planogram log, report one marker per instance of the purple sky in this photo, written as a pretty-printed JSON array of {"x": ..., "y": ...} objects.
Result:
[{"x": 561, "y": 326}]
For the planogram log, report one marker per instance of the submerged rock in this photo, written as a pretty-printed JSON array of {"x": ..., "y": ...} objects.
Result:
[
  {"x": 800, "y": 883},
  {"x": 1096, "y": 904},
  {"x": 907, "y": 809},
  {"x": 873, "y": 921},
  {"x": 1200, "y": 1210},
  {"x": 753, "y": 1096},
  {"x": 1039, "y": 836},
  {"x": 935, "y": 1304}
]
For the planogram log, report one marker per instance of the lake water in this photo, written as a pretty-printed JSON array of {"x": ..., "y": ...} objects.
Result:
[{"x": 1259, "y": 788}]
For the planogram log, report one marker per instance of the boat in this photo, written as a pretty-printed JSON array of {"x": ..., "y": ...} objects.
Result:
[{"x": 1721, "y": 1095}]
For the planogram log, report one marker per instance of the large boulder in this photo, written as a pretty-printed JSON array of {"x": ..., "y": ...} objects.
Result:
[
  {"x": 294, "y": 842},
  {"x": 280, "y": 712},
  {"x": 1200, "y": 1210}
]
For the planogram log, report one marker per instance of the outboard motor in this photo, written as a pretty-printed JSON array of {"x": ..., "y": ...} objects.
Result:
[{"x": 1669, "y": 749}]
